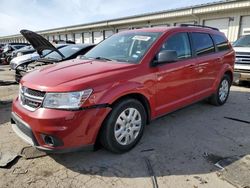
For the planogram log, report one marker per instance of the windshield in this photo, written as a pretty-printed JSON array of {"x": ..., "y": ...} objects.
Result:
[
  {"x": 67, "y": 51},
  {"x": 44, "y": 53},
  {"x": 27, "y": 48},
  {"x": 243, "y": 41},
  {"x": 128, "y": 47},
  {"x": 18, "y": 46}
]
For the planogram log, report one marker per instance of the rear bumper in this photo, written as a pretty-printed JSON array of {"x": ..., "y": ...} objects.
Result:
[{"x": 70, "y": 130}]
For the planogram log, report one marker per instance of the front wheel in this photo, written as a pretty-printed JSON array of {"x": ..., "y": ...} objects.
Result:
[
  {"x": 220, "y": 97},
  {"x": 124, "y": 126},
  {"x": 8, "y": 59}
]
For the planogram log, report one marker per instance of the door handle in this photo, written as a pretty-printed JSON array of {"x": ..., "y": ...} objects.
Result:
[
  {"x": 191, "y": 65},
  {"x": 219, "y": 59}
]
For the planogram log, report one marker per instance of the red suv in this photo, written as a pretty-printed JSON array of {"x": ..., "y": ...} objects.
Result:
[{"x": 119, "y": 86}]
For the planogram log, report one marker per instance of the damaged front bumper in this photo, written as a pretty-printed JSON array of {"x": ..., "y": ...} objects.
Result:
[{"x": 56, "y": 131}]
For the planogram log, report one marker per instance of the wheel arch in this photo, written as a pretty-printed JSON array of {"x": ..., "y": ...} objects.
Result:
[
  {"x": 138, "y": 96},
  {"x": 225, "y": 70},
  {"x": 230, "y": 74},
  {"x": 141, "y": 98}
]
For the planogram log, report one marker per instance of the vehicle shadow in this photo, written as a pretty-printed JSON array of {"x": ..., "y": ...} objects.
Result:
[
  {"x": 245, "y": 84},
  {"x": 5, "y": 111},
  {"x": 175, "y": 144}
]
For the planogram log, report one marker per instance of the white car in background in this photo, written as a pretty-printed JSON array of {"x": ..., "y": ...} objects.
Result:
[
  {"x": 28, "y": 58},
  {"x": 242, "y": 60}
]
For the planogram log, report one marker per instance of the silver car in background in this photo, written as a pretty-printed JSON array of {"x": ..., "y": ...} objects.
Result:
[
  {"x": 242, "y": 60},
  {"x": 28, "y": 58}
]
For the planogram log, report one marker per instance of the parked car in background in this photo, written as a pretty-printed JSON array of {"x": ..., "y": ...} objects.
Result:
[
  {"x": 66, "y": 53},
  {"x": 23, "y": 51},
  {"x": 8, "y": 49},
  {"x": 1, "y": 49},
  {"x": 24, "y": 60},
  {"x": 57, "y": 55},
  {"x": 242, "y": 61},
  {"x": 63, "y": 42},
  {"x": 120, "y": 85}
]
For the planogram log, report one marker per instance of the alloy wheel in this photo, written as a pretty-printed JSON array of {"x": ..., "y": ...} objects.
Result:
[{"x": 128, "y": 126}]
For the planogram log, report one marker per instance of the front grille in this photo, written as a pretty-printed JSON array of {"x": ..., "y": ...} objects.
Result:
[
  {"x": 243, "y": 53},
  {"x": 242, "y": 70},
  {"x": 35, "y": 92},
  {"x": 242, "y": 58},
  {"x": 31, "y": 99}
]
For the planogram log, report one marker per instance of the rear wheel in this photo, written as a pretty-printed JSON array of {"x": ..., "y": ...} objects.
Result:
[
  {"x": 222, "y": 93},
  {"x": 123, "y": 127}
]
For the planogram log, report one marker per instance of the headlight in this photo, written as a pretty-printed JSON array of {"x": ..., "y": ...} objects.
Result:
[
  {"x": 69, "y": 100},
  {"x": 20, "y": 92},
  {"x": 19, "y": 54}
]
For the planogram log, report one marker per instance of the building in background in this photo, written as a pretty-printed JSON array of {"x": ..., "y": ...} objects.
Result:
[{"x": 232, "y": 17}]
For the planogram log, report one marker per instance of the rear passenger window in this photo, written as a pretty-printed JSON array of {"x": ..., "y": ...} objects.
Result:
[
  {"x": 180, "y": 43},
  {"x": 203, "y": 44},
  {"x": 221, "y": 43}
]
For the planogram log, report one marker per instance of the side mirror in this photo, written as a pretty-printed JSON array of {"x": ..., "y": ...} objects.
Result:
[
  {"x": 166, "y": 56},
  {"x": 79, "y": 57}
]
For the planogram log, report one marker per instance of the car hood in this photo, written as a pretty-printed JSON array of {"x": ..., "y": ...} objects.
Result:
[
  {"x": 73, "y": 74},
  {"x": 38, "y": 42},
  {"x": 24, "y": 51},
  {"x": 242, "y": 49},
  {"x": 23, "y": 59}
]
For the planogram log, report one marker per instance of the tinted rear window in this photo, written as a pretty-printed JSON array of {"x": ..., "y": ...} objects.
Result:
[
  {"x": 221, "y": 43},
  {"x": 203, "y": 44}
]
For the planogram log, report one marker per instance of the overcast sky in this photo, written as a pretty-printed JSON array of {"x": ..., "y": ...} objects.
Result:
[{"x": 46, "y": 14}]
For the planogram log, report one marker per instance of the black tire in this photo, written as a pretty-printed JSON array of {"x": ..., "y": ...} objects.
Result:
[
  {"x": 8, "y": 59},
  {"x": 17, "y": 76},
  {"x": 107, "y": 134},
  {"x": 215, "y": 98}
]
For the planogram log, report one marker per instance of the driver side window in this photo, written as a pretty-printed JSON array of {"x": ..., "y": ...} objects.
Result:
[{"x": 179, "y": 43}]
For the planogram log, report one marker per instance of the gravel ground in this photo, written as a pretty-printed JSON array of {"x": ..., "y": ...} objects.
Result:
[{"x": 170, "y": 154}]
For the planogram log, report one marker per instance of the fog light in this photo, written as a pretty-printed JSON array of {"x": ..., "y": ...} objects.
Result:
[{"x": 49, "y": 140}]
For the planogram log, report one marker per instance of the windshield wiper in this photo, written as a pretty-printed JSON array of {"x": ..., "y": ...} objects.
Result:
[{"x": 103, "y": 58}]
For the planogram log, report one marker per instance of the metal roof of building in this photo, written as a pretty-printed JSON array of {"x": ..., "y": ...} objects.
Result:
[
  {"x": 144, "y": 14},
  {"x": 123, "y": 20}
]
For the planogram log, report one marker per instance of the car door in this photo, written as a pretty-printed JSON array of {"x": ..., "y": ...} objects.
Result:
[
  {"x": 206, "y": 62},
  {"x": 175, "y": 86}
]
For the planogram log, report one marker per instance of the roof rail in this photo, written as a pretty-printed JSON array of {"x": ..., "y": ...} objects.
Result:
[{"x": 203, "y": 26}]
